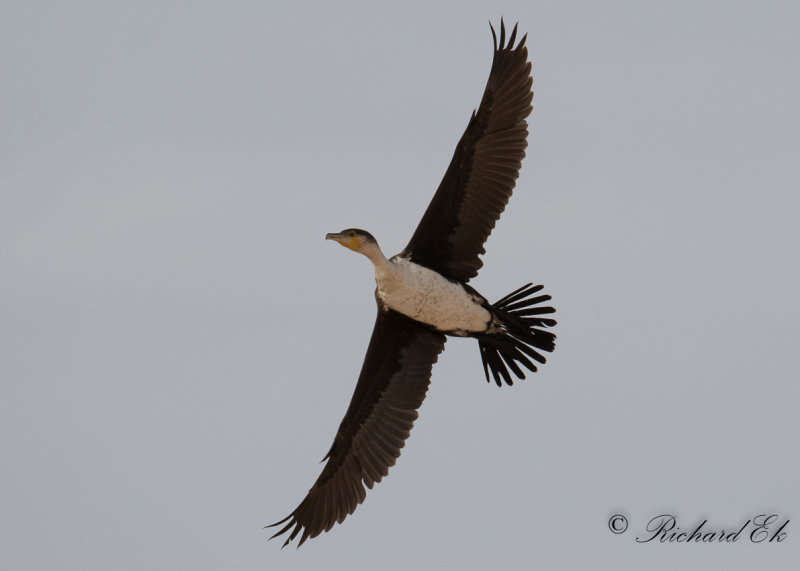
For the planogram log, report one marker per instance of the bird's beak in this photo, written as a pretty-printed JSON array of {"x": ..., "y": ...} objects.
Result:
[{"x": 345, "y": 241}]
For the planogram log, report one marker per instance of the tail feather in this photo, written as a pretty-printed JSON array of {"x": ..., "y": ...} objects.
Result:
[
  {"x": 523, "y": 335},
  {"x": 519, "y": 293},
  {"x": 527, "y": 303}
]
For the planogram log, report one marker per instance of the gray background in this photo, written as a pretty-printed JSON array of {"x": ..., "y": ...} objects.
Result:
[{"x": 179, "y": 343}]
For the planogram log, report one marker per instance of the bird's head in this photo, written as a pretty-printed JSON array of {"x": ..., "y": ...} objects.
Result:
[{"x": 355, "y": 239}]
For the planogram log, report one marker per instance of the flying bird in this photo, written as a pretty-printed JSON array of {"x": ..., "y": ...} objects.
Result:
[{"x": 423, "y": 297}]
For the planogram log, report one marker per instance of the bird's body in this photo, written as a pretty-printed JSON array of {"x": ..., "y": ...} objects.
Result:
[
  {"x": 430, "y": 298},
  {"x": 423, "y": 297}
]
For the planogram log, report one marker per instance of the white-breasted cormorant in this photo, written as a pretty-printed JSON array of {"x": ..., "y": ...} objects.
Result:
[{"x": 423, "y": 296}]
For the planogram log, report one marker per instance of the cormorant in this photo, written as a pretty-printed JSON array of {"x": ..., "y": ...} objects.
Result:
[{"x": 423, "y": 296}]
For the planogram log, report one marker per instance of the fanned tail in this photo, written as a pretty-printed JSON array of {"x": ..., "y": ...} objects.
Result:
[{"x": 522, "y": 338}]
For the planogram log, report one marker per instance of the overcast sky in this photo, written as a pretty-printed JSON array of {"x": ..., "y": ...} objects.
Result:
[{"x": 178, "y": 343}]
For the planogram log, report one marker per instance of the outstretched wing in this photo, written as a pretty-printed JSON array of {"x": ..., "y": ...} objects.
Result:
[
  {"x": 390, "y": 389},
  {"x": 484, "y": 169}
]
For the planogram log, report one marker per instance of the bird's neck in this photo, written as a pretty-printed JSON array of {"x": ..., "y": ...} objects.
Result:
[{"x": 373, "y": 252}]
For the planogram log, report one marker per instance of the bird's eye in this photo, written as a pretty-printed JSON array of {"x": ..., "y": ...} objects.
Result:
[{"x": 351, "y": 234}]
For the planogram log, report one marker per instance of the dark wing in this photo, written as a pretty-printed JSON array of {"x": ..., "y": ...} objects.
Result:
[
  {"x": 390, "y": 389},
  {"x": 484, "y": 169}
]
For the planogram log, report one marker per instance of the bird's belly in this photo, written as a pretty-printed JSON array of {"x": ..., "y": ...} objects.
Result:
[{"x": 426, "y": 296}]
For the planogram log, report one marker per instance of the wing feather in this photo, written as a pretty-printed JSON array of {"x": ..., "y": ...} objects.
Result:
[
  {"x": 391, "y": 387},
  {"x": 483, "y": 171}
]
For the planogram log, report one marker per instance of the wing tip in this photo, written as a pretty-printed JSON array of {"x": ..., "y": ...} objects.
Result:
[
  {"x": 285, "y": 528},
  {"x": 297, "y": 525},
  {"x": 502, "y": 44}
]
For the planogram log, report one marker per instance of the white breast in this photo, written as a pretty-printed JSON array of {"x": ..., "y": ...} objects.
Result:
[{"x": 426, "y": 296}]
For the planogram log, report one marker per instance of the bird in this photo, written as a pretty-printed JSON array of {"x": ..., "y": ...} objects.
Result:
[{"x": 423, "y": 297}]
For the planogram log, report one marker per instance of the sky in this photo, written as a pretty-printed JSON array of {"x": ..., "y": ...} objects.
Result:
[{"x": 178, "y": 343}]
